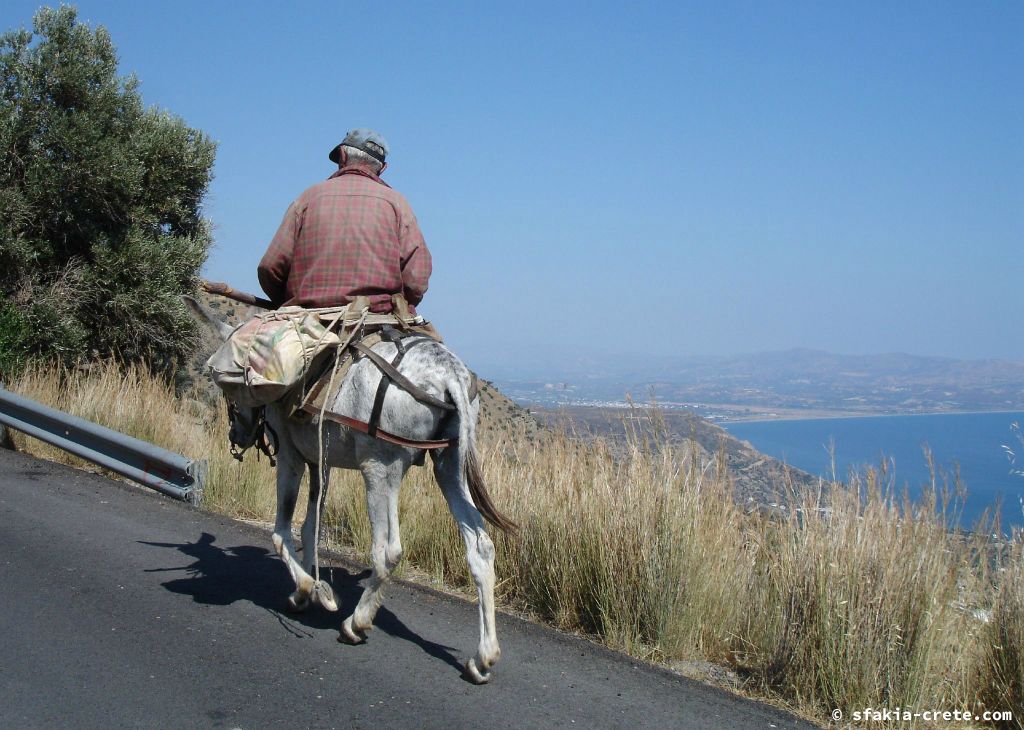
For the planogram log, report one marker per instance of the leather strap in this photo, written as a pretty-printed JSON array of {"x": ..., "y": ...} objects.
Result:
[
  {"x": 403, "y": 382},
  {"x": 389, "y": 374},
  {"x": 385, "y": 380},
  {"x": 381, "y": 434}
]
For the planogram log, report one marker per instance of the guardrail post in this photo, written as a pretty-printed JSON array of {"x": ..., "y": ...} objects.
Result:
[
  {"x": 200, "y": 470},
  {"x": 140, "y": 461}
]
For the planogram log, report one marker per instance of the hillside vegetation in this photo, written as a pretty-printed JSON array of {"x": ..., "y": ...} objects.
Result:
[{"x": 856, "y": 598}]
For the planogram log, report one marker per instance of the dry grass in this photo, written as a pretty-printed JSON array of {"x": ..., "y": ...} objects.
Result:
[
  {"x": 135, "y": 403},
  {"x": 856, "y": 599},
  {"x": 1000, "y": 671},
  {"x": 858, "y": 602}
]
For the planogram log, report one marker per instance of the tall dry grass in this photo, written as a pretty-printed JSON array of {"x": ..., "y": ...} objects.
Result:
[
  {"x": 1000, "y": 670},
  {"x": 860, "y": 600},
  {"x": 133, "y": 401},
  {"x": 855, "y": 597}
]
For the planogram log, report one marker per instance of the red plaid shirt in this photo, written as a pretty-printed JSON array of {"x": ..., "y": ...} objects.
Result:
[{"x": 350, "y": 235}]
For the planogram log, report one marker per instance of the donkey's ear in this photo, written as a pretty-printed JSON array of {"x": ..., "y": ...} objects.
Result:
[{"x": 220, "y": 328}]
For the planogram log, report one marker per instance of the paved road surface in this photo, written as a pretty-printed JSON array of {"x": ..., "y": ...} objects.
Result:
[{"x": 121, "y": 608}]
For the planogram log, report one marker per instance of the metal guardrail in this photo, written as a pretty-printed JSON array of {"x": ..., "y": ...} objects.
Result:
[{"x": 140, "y": 461}]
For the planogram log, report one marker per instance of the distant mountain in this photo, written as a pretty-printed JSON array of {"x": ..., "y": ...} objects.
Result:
[{"x": 790, "y": 383}]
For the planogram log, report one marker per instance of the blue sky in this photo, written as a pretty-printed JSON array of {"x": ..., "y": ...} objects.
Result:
[{"x": 649, "y": 178}]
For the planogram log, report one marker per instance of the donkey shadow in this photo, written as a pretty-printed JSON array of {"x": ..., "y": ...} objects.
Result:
[{"x": 220, "y": 576}]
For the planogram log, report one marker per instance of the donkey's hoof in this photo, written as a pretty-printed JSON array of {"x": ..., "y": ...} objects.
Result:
[
  {"x": 474, "y": 675},
  {"x": 297, "y": 602},
  {"x": 348, "y": 635},
  {"x": 324, "y": 595}
]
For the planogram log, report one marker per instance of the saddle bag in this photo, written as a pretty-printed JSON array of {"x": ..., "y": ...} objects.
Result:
[{"x": 270, "y": 354}]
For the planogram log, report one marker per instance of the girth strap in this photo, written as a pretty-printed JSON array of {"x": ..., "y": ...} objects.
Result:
[{"x": 383, "y": 435}]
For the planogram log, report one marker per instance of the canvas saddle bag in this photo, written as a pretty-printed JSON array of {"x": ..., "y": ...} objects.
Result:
[
  {"x": 268, "y": 355},
  {"x": 272, "y": 353}
]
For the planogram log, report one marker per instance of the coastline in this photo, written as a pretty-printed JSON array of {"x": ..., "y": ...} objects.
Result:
[
  {"x": 839, "y": 415},
  {"x": 723, "y": 414}
]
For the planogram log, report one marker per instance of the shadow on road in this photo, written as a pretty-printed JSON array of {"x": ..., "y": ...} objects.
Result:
[{"x": 220, "y": 576}]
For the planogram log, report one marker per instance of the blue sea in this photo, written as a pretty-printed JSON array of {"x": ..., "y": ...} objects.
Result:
[{"x": 972, "y": 440}]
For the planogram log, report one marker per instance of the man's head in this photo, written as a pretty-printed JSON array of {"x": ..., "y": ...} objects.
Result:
[{"x": 362, "y": 147}]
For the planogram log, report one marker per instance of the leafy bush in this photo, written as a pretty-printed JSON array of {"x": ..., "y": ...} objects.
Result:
[
  {"x": 14, "y": 337},
  {"x": 100, "y": 203}
]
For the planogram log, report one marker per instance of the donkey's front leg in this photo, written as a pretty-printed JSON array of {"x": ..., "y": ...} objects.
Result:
[
  {"x": 289, "y": 478},
  {"x": 312, "y": 534},
  {"x": 383, "y": 482}
]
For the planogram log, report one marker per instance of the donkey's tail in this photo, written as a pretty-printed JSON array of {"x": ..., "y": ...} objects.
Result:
[
  {"x": 481, "y": 498},
  {"x": 470, "y": 462}
]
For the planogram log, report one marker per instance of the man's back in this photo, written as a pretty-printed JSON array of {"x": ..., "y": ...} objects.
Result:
[{"x": 348, "y": 236}]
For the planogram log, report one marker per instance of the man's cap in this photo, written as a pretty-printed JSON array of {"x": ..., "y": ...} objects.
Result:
[{"x": 370, "y": 142}]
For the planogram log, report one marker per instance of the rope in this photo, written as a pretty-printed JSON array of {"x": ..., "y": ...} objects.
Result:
[{"x": 320, "y": 444}]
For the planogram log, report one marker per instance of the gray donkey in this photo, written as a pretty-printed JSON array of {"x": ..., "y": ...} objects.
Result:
[{"x": 435, "y": 369}]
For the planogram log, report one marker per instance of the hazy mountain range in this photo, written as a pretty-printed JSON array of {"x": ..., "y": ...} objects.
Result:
[{"x": 790, "y": 383}]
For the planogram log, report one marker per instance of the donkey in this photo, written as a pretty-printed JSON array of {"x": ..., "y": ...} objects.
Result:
[{"x": 435, "y": 369}]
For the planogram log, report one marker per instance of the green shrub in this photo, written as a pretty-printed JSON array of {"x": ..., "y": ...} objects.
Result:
[
  {"x": 100, "y": 203},
  {"x": 14, "y": 341}
]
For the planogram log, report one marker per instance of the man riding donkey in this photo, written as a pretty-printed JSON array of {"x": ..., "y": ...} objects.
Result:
[
  {"x": 348, "y": 375},
  {"x": 350, "y": 236}
]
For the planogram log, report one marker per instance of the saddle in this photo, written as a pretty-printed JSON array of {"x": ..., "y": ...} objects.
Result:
[
  {"x": 300, "y": 358},
  {"x": 328, "y": 372}
]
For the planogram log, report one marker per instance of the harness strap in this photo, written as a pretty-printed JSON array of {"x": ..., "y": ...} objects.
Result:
[
  {"x": 403, "y": 382},
  {"x": 385, "y": 380},
  {"x": 363, "y": 427},
  {"x": 389, "y": 375},
  {"x": 261, "y": 435}
]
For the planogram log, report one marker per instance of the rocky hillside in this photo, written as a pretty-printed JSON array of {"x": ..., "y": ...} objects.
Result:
[
  {"x": 757, "y": 478},
  {"x": 229, "y": 311}
]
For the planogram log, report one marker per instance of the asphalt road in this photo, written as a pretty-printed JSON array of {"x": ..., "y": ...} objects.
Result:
[{"x": 122, "y": 608}]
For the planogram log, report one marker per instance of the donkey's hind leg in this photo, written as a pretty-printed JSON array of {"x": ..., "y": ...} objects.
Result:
[
  {"x": 289, "y": 478},
  {"x": 479, "y": 553},
  {"x": 383, "y": 482}
]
